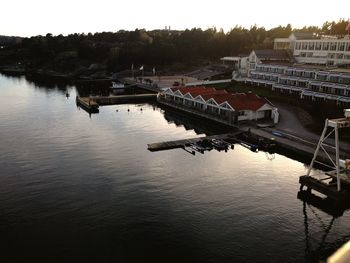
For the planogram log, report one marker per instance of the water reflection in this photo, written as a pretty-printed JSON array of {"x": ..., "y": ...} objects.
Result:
[
  {"x": 49, "y": 84},
  {"x": 69, "y": 183},
  {"x": 193, "y": 123},
  {"x": 316, "y": 246}
]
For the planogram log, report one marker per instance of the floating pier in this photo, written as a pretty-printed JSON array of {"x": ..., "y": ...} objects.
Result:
[
  {"x": 168, "y": 145},
  {"x": 118, "y": 99},
  {"x": 336, "y": 183},
  {"x": 88, "y": 104},
  {"x": 91, "y": 104},
  {"x": 327, "y": 189}
]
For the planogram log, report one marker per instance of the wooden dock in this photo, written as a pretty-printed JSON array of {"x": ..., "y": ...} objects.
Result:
[
  {"x": 92, "y": 103},
  {"x": 88, "y": 104},
  {"x": 343, "y": 175},
  {"x": 161, "y": 146},
  {"x": 328, "y": 189},
  {"x": 118, "y": 99},
  {"x": 142, "y": 85}
]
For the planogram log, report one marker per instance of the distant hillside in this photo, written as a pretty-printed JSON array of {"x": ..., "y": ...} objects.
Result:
[
  {"x": 9, "y": 40},
  {"x": 105, "y": 52}
]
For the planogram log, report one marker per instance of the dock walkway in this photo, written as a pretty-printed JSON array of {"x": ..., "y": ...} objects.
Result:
[
  {"x": 115, "y": 99},
  {"x": 295, "y": 144},
  {"x": 88, "y": 104},
  {"x": 161, "y": 146},
  {"x": 148, "y": 87}
]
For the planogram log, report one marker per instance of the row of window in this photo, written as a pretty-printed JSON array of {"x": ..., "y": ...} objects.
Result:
[
  {"x": 344, "y": 101},
  {"x": 322, "y": 76},
  {"x": 326, "y": 46},
  {"x": 328, "y": 55},
  {"x": 330, "y": 90},
  {"x": 287, "y": 71},
  {"x": 300, "y": 82},
  {"x": 270, "y": 69},
  {"x": 304, "y": 84}
]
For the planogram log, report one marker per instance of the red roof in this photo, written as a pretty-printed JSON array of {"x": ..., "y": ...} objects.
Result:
[
  {"x": 250, "y": 101},
  {"x": 238, "y": 101}
]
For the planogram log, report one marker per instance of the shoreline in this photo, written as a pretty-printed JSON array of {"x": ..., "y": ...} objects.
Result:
[{"x": 291, "y": 133}]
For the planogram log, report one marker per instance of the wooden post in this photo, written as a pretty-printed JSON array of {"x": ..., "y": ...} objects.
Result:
[{"x": 337, "y": 155}]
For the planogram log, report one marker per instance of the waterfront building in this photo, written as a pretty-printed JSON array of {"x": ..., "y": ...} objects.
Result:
[
  {"x": 268, "y": 56},
  {"x": 239, "y": 64},
  {"x": 314, "y": 49},
  {"x": 316, "y": 84},
  {"x": 306, "y": 65},
  {"x": 220, "y": 104}
]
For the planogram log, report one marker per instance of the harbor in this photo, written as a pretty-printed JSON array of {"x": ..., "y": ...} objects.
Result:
[
  {"x": 247, "y": 134},
  {"x": 99, "y": 171},
  {"x": 209, "y": 132}
]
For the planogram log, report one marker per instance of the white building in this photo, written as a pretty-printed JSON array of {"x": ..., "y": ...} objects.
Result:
[
  {"x": 305, "y": 65},
  {"x": 239, "y": 63},
  {"x": 219, "y": 104},
  {"x": 267, "y": 55},
  {"x": 313, "y": 49},
  {"x": 307, "y": 83}
]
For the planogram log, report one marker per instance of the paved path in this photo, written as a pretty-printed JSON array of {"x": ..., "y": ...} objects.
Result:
[{"x": 290, "y": 123}]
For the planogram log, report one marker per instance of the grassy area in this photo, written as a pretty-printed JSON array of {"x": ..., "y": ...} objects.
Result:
[{"x": 238, "y": 87}]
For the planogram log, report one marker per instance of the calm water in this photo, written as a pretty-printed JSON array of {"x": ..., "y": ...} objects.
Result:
[{"x": 75, "y": 188}]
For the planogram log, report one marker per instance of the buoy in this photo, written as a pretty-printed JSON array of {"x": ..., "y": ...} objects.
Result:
[
  {"x": 116, "y": 110},
  {"x": 128, "y": 109},
  {"x": 141, "y": 109}
]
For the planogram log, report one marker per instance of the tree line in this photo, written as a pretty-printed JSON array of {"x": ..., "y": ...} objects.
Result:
[{"x": 118, "y": 50}]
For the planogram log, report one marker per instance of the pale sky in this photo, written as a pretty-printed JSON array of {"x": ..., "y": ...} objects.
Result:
[{"x": 38, "y": 17}]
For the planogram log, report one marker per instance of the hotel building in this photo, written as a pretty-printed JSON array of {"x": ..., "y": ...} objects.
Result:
[
  {"x": 305, "y": 65},
  {"x": 309, "y": 48}
]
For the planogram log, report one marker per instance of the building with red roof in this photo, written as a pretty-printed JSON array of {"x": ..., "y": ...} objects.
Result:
[{"x": 230, "y": 107}]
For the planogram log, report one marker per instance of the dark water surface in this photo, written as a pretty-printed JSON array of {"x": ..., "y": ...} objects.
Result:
[{"x": 75, "y": 188}]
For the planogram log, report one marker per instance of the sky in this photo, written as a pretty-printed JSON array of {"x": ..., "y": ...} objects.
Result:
[{"x": 39, "y": 17}]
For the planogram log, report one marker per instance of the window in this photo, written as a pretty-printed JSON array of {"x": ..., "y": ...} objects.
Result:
[
  {"x": 311, "y": 46},
  {"x": 321, "y": 76},
  {"x": 348, "y": 47},
  {"x": 289, "y": 72},
  {"x": 341, "y": 46},
  {"x": 297, "y": 73},
  {"x": 325, "y": 46},
  {"x": 318, "y": 46},
  {"x": 333, "y": 78},
  {"x": 333, "y": 46}
]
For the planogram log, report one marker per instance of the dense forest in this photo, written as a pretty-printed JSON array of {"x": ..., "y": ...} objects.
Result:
[{"x": 118, "y": 50}]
